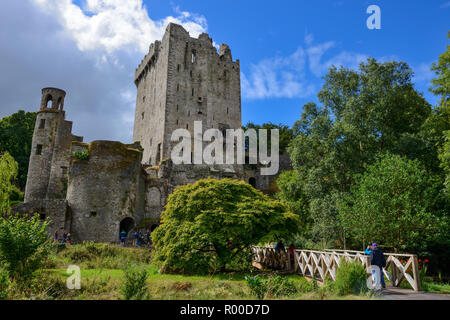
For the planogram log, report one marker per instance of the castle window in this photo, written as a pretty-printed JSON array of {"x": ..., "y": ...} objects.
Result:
[
  {"x": 193, "y": 91},
  {"x": 42, "y": 124},
  {"x": 191, "y": 73},
  {"x": 93, "y": 214},
  {"x": 178, "y": 87},
  {"x": 48, "y": 100},
  {"x": 39, "y": 149},
  {"x": 143, "y": 99},
  {"x": 63, "y": 171},
  {"x": 177, "y": 121},
  {"x": 178, "y": 108},
  {"x": 187, "y": 126},
  {"x": 194, "y": 56},
  {"x": 189, "y": 113},
  {"x": 227, "y": 110},
  {"x": 151, "y": 141},
  {"x": 143, "y": 115},
  {"x": 179, "y": 67}
]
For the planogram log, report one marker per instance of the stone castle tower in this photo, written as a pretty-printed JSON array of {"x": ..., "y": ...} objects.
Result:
[
  {"x": 50, "y": 154},
  {"x": 182, "y": 80}
]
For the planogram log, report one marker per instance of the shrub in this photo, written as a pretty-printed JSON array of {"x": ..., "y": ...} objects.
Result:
[
  {"x": 81, "y": 155},
  {"x": 135, "y": 284},
  {"x": 24, "y": 244},
  {"x": 257, "y": 286},
  {"x": 272, "y": 286},
  {"x": 4, "y": 284},
  {"x": 351, "y": 277}
]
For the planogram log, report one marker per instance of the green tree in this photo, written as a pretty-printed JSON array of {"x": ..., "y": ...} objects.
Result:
[
  {"x": 285, "y": 133},
  {"x": 23, "y": 244},
  {"x": 444, "y": 156},
  {"x": 8, "y": 174},
  {"x": 392, "y": 204},
  {"x": 362, "y": 113},
  {"x": 210, "y": 226},
  {"x": 16, "y": 134},
  {"x": 441, "y": 84}
]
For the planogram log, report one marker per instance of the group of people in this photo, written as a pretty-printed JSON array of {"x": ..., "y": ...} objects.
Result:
[
  {"x": 66, "y": 237},
  {"x": 140, "y": 238}
]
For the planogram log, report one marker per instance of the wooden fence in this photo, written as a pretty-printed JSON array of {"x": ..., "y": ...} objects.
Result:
[{"x": 322, "y": 264}]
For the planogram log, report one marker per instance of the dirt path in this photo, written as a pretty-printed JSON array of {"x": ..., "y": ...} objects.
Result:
[{"x": 391, "y": 293}]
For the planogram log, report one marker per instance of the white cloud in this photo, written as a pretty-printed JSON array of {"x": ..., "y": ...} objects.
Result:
[
  {"x": 91, "y": 52},
  {"x": 113, "y": 25},
  {"x": 286, "y": 77},
  {"x": 423, "y": 73}
]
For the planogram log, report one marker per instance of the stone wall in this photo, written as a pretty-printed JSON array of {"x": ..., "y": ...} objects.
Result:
[{"x": 105, "y": 189}]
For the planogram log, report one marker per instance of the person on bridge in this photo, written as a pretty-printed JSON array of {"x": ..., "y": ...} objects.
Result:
[
  {"x": 377, "y": 259},
  {"x": 368, "y": 249}
]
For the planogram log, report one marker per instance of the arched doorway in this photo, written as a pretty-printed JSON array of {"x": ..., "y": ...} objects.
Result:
[
  {"x": 127, "y": 225},
  {"x": 252, "y": 182}
]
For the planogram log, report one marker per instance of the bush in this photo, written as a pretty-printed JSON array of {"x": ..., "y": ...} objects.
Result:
[
  {"x": 270, "y": 287},
  {"x": 81, "y": 155},
  {"x": 24, "y": 244},
  {"x": 211, "y": 225},
  {"x": 135, "y": 284},
  {"x": 4, "y": 284},
  {"x": 351, "y": 278},
  {"x": 257, "y": 286}
]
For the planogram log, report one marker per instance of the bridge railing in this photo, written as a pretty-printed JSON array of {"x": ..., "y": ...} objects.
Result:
[{"x": 322, "y": 264}]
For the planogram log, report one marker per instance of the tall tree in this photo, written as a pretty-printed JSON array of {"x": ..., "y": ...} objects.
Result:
[
  {"x": 8, "y": 174},
  {"x": 363, "y": 113},
  {"x": 16, "y": 134}
]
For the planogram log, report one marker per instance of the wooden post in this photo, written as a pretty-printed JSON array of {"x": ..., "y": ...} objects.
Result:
[
  {"x": 394, "y": 274},
  {"x": 415, "y": 267}
]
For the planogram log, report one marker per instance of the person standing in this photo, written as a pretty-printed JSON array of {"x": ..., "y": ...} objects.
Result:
[
  {"x": 64, "y": 238},
  {"x": 377, "y": 259},
  {"x": 368, "y": 249},
  {"x": 123, "y": 236},
  {"x": 55, "y": 236}
]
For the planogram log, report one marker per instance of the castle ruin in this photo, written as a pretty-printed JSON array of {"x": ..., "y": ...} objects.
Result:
[{"x": 118, "y": 186}]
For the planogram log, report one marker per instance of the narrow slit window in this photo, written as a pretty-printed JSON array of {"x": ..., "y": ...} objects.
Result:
[
  {"x": 194, "y": 57},
  {"x": 42, "y": 124},
  {"x": 39, "y": 149}
]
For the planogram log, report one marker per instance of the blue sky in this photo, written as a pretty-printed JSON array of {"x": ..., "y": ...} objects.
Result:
[{"x": 91, "y": 47}]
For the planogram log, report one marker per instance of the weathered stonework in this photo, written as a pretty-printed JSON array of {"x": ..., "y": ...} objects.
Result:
[{"x": 126, "y": 186}]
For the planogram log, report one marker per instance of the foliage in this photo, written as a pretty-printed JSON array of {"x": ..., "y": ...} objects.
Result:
[
  {"x": 4, "y": 284},
  {"x": 351, "y": 277},
  {"x": 256, "y": 285},
  {"x": 285, "y": 134},
  {"x": 273, "y": 286},
  {"x": 441, "y": 84},
  {"x": 16, "y": 133},
  {"x": 8, "y": 173},
  {"x": 362, "y": 113},
  {"x": 81, "y": 155},
  {"x": 444, "y": 156},
  {"x": 90, "y": 255},
  {"x": 391, "y": 204},
  {"x": 135, "y": 284},
  {"x": 210, "y": 225},
  {"x": 23, "y": 244}
]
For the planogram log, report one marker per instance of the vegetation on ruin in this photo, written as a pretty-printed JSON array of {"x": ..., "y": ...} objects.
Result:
[{"x": 81, "y": 155}]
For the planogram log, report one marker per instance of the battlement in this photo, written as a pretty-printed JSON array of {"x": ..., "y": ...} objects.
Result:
[{"x": 177, "y": 31}]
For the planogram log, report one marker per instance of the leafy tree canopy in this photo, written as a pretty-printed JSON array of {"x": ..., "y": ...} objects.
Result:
[
  {"x": 8, "y": 174},
  {"x": 210, "y": 225},
  {"x": 392, "y": 204},
  {"x": 16, "y": 134}
]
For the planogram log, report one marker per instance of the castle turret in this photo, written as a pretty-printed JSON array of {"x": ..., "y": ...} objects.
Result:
[{"x": 50, "y": 153}]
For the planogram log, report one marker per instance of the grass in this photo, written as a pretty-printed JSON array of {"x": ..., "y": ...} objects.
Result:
[{"x": 102, "y": 278}]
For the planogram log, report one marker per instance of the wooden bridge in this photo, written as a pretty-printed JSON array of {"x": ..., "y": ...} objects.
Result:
[{"x": 323, "y": 264}]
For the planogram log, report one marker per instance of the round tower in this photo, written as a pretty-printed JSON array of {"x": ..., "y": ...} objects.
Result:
[{"x": 48, "y": 121}]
